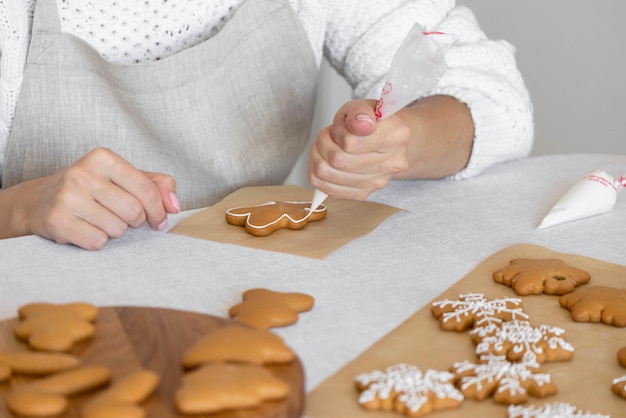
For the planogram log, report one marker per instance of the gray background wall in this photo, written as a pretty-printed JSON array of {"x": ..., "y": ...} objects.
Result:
[{"x": 573, "y": 58}]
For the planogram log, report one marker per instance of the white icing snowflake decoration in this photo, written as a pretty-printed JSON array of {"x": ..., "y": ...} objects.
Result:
[
  {"x": 508, "y": 382},
  {"x": 554, "y": 410},
  {"x": 474, "y": 309},
  {"x": 403, "y": 387},
  {"x": 519, "y": 340}
]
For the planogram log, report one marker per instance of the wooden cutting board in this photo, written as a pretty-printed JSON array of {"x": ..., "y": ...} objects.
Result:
[
  {"x": 129, "y": 338},
  {"x": 585, "y": 381}
]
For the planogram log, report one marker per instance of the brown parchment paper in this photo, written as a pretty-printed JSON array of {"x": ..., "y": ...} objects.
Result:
[
  {"x": 345, "y": 221},
  {"x": 585, "y": 381}
]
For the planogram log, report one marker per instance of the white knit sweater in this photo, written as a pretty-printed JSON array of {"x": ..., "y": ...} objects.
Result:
[{"x": 358, "y": 37}]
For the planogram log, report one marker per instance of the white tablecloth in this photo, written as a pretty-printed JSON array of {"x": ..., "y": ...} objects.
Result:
[{"x": 363, "y": 290}]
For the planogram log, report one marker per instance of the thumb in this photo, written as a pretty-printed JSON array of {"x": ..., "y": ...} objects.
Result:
[{"x": 360, "y": 119}]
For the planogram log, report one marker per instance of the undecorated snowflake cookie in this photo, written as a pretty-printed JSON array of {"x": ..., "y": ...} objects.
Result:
[
  {"x": 533, "y": 277},
  {"x": 508, "y": 382},
  {"x": 519, "y": 340},
  {"x": 597, "y": 304},
  {"x": 553, "y": 410},
  {"x": 408, "y": 390},
  {"x": 474, "y": 309}
]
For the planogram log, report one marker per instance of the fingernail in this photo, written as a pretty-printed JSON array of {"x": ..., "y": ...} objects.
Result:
[
  {"x": 365, "y": 118},
  {"x": 162, "y": 225},
  {"x": 174, "y": 201}
]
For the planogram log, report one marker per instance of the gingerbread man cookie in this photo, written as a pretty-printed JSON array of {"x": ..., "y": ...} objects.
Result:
[
  {"x": 263, "y": 308},
  {"x": 262, "y": 220},
  {"x": 532, "y": 277},
  {"x": 597, "y": 304},
  {"x": 221, "y": 386},
  {"x": 408, "y": 390},
  {"x": 52, "y": 327},
  {"x": 238, "y": 344}
]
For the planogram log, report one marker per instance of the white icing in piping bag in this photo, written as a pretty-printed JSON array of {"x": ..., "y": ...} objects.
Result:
[
  {"x": 416, "y": 68},
  {"x": 594, "y": 194},
  {"x": 318, "y": 199}
]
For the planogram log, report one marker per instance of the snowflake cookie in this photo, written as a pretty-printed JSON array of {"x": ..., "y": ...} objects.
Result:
[
  {"x": 597, "y": 304},
  {"x": 509, "y": 383},
  {"x": 553, "y": 410},
  {"x": 406, "y": 389},
  {"x": 474, "y": 310},
  {"x": 532, "y": 277},
  {"x": 518, "y": 340},
  {"x": 619, "y": 386}
]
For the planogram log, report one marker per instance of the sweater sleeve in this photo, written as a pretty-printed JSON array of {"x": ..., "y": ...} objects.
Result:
[{"x": 482, "y": 73}]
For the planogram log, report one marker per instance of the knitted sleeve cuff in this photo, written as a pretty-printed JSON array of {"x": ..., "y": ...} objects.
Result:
[{"x": 502, "y": 130}]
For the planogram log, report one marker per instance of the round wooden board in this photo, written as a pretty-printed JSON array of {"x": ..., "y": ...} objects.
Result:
[{"x": 130, "y": 338}]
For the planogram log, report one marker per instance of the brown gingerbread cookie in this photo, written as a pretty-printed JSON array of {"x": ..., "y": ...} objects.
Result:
[
  {"x": 555, "y": 410},
  {"x": 535, "y": 276},
  {"x": 262, "y": 220},
  {"x": 475, "y": 310},
  {"x": 34, "y": 363},
  {"x": 238, "y": 344},
  {"x": 597, "y": 304},
  {"x": 220, "y": 386},
  {"x": 621, "y": 356},
  {"x": 48, "y": 396},
  {"x": 509, "y": 383},
  {"x": 55, "y": 327},
  {"x": 619, "y": 386},
  {"x": 123, "y": 398},
  {"x": 406, "y": 389},
  {"x": 519, "y": 340},
  {"x": 263, "y": 308}
]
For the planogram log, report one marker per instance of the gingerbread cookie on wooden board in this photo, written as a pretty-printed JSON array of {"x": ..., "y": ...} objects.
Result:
[
  {"x": 55, "y": 327},
  {"x": 133, "y": 338},
  {"x": 238, "y": 344},
  {"x": 219, "y": 387},
  {"x": 261, "y": 220}
]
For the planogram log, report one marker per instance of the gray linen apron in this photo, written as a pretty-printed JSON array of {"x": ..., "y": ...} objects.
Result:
[{"x": 232, "y": 111}]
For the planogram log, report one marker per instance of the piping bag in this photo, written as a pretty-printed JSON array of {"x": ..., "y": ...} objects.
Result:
[
  {"x": 594, "y": 194},
  {"x": 417, "y": 66}
]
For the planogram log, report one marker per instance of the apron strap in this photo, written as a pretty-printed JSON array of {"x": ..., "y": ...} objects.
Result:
[{"x": 46, "y": 18}]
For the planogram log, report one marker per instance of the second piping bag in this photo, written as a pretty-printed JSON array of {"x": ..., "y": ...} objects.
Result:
[{"x": 417, "y": 66}]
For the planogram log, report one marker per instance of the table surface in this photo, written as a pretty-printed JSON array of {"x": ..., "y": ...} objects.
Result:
[{"x": 363, "y": 290}]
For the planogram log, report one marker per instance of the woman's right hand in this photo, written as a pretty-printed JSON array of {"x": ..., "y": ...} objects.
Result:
[{"x": 95, "y": 199}]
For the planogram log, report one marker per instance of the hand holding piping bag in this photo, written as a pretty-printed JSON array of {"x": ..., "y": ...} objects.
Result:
[{"x": 417, "y": 66}]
